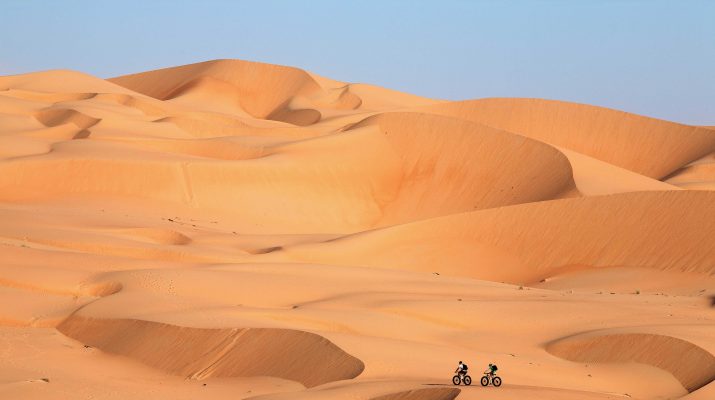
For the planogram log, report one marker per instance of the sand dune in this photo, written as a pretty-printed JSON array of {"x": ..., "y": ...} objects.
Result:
[
  {"x": 55, "y": 117},
  {"x": 623, "y": 229},
  {"x": 650, "y": 147},
  {"x": 693, "y": 366},
  {"x": 487, "y": 167},
  {"x": 260, "y": 90},
  {"x": 46, "y": 97},
  {"x": 202, "y": 353},
  {"x": 419, "y": 394},
  {"x": 373, "y": 391},
  {"x": 394, "y": 183},
  {"x": 232, "y": 229},
  {"x": 699, "y": 174},
  {"x": 60, "y": 83},
  {"x": 239, "y": 87},
  {"x": 244, "y": 81},
  {"x": 594, "y": 177}
]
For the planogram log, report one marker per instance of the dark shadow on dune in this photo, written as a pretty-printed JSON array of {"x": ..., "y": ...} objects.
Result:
[
  {"x": 265, "y": 250},
  {"x": 422, "y": 394},
  {"x": 200, "y": 353},
  {"x": 83, "y": 134}
]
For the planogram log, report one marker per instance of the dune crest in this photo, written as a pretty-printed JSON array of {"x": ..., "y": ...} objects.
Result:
[{"x": 242, "y": 84}]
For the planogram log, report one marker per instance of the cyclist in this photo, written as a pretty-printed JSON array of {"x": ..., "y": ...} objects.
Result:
[
  {"x": 461, "y": 369},
  {"x": 491, "y": 370}
]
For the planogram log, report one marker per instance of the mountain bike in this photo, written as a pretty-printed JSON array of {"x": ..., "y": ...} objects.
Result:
[
  {"x": 457, "y": 379},
  {"x": 490, "y": 378}
]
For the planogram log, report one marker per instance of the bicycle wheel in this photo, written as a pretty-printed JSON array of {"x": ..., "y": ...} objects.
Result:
[
  {"x": 467, "y": 380},
  {"x": 456, "y": 379},
  {"x": 496, "y": 381},
  {"x": 485, "y": 381}
]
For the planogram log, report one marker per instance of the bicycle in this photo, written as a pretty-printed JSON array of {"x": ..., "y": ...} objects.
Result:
[
  {"x": 490, "y": 377},
  {"x": 459, "y": 378}
]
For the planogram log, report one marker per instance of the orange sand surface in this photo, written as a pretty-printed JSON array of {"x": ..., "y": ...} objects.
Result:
[{"x": 236, "y": 230}]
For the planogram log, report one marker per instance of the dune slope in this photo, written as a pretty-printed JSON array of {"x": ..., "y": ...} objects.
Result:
[
  {"x": 197, "y": 353},
  {"x": 622, "y": 229},
  {"x": 648, "y": 146},
  {"x": 693, "y": 366}
]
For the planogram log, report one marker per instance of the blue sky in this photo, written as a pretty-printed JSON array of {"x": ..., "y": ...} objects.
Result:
[{"x": 655, "y": 58}]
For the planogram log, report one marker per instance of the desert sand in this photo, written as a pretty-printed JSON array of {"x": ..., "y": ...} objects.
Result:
[{"x": 239, "y": 230}]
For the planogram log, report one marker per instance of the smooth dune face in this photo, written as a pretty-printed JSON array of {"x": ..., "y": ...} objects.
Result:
[
  {"x": 232, "y": 229},
  {"x": 486, "y": 167},
  {"x": 621, "y": 230},
  {"x": 650, "y": 147}
]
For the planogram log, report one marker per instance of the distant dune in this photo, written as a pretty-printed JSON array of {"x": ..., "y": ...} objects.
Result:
[
  {"x": 644, "y": 145},
  {"x": 232, "y": 229}
]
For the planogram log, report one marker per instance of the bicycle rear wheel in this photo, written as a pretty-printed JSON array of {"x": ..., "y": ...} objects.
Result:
[
  {"x": 496, "y": 381},
  {"x": 467, "y": 380}
]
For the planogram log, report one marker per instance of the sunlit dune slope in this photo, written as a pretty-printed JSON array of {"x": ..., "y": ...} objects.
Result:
[
  {"x": 595, "y": 177},
  {"x": 664, "y": 230},
  {"x": 648, "y": 146},
  {"x": 699, "y": 174},
  {"x": 486, "y": 167}
]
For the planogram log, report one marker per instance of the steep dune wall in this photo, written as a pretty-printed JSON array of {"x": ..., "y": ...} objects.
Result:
[
  {"x": 693, "y": 366},
  {"x": 451, "y": 166},
  {"x": 201, "y": 353},
  {"x": 648, "y": 146}
]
